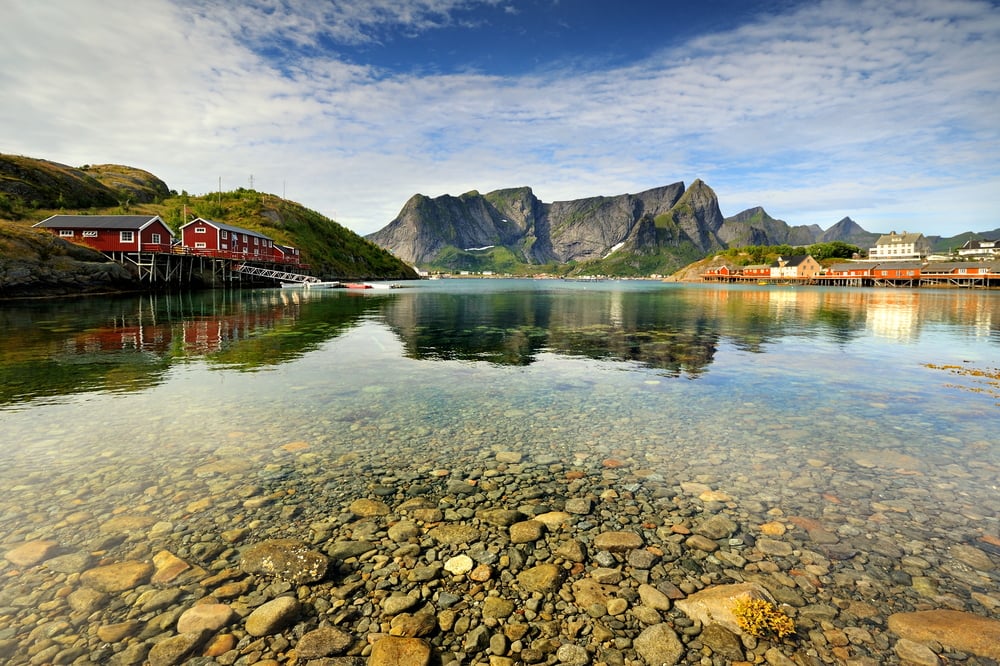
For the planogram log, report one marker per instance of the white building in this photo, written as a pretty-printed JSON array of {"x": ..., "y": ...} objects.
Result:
[
  {"x": 980, "y": 249},
  {"x": 902, "y": 246}
]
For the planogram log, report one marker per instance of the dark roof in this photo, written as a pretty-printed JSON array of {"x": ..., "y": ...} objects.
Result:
[
  {"x": 894, "y": 238},
  {"x": 793, "y": 260},
  {"x": 906, "y": 265},
  {"x": 230, "y": 228},
  {"x": 950, "y": 266},
  {"x": 980, "y": 244},
  {"x": 854, "y": 266},
  {"x": 113, "y": 222}
]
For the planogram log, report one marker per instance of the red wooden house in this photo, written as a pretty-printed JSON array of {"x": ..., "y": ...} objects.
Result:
[
  {"x": 288, "y": 255},
  {"x": 203, "y": 236},
  {"x": 112, "y": 233},
  {"x": 722, "y": 271},
  {"x": 757, "y": 271},
  {"x": 854, "y": 269},
  {"x": 898, "y": 270}
]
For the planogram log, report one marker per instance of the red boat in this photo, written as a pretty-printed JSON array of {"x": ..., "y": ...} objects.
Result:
[{"x": 357, "y": 285}]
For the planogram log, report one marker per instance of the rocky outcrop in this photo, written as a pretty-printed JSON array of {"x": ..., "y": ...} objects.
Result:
[
  {"x": 563, "y": 231},
  {"x": 40, "y": 264},
  {"x": 849, "y": 231},
  {"x": 46, "y": 184},
  {"x": 755, "y": 227}
]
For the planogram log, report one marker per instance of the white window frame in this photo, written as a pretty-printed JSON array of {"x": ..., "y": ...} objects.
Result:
[
  {"x": 155, "y": 239},
  {"x": 126, "y": 236},
  {"x": 200, "y": 230},
  {"x": 223, "y": 233},
  {"x": 65, "y": 233},
  {"x": 200, "y": 246},
  {"x": 90, "y": 233}
]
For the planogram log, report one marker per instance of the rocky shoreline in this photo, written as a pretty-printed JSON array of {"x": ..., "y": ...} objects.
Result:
[{"x": 517, "y": 562}]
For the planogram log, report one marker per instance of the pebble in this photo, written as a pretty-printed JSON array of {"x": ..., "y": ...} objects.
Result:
[
  {"x": 603, "y": 557},
  {"x": 323, "y": 642},
  {"x": 618, "y": 542},
  {"x": 459, "y": 565},
  {"x": 31, "y": 553},
  {"x": 273, "y": 616},
  {"x": 659, "y": 644}
]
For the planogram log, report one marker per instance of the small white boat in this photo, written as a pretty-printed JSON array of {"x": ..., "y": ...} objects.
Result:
[{"x": 382, "y": 285}]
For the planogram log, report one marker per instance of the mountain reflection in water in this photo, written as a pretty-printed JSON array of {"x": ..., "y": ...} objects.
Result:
[{"x": 57, "y": 348}]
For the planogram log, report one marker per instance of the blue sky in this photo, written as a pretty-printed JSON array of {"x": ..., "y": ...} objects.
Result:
[{"x": 884, "y": 111}]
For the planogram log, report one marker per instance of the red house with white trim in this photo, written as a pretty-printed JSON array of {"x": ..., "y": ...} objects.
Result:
[
  {"x": 288, "y": 255},
  {"x": 112, "y": 233},
  {"x": 853, "y": 269},
  {"x": 757, "y": 271},
  {"x": 202, "y": 236}
]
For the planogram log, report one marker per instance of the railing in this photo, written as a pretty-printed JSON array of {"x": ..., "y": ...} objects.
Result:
[{"x": 235, "y": 256}]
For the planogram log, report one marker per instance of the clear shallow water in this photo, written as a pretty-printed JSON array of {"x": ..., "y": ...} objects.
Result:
[
  {"x": 618, "y": 365},
  {"x": 793, "y": 401}
]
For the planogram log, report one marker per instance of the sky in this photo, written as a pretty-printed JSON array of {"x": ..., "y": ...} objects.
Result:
[{"x": 882, "y": 110}]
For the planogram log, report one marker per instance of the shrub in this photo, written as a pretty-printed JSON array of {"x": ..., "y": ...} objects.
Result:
[{"x": 760, "y": 618}]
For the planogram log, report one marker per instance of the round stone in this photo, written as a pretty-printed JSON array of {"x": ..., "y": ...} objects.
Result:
[{"x": 459, "y": 565}]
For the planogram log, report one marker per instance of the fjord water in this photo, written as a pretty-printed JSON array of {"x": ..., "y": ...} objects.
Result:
[{"x": 868, "y": 415}]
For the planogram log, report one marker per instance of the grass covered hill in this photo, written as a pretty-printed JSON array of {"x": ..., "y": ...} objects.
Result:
[{"x": 33, "y": 189}]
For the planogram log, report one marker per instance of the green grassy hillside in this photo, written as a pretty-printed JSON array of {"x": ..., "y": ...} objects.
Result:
[{"x": 32, "y": 190}]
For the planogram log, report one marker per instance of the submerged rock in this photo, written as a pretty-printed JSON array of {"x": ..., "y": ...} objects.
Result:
[
  {"x": 287, "y": 559},
  {"x": 959, "y": 630}
]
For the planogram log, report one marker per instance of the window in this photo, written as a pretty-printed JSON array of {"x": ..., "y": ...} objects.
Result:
[
  {"x": 65, "y": 233},
  {"x": 126, "y": 236},
  {"x": 256, "y": 241},
  {"x": 200, "y": 246},
  {"x": 225, "y": 246},
  {"x": 155, "y": 239},
  {"x": 224, "y": 233},
  {"x": 200, "y": 230},
  {"x": 90, "y": 234}
]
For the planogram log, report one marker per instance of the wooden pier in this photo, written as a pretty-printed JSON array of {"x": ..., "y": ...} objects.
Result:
[{"x": 187, "y": 268}]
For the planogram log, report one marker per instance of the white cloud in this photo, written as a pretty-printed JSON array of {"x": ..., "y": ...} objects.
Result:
[{"x": 869, "y": 109}]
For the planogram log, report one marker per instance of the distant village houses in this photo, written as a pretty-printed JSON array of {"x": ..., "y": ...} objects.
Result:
[
  {"x": 804, "y": 269},
  {"x": 796, "y": 266},
  {"x": 980, "y": 249}
]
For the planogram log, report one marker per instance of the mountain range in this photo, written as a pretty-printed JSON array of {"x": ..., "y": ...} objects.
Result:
[{"x": 656, "y": 231}]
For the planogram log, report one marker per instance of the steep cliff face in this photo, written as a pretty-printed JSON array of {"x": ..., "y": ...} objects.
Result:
[
  {"x": 426, "y": 226},
  {"x": 697, "y": 217},
  {"x": 535, "y": 232},
  {"x": 755, "y": 227},
  {"x": 587, "y": 229}
]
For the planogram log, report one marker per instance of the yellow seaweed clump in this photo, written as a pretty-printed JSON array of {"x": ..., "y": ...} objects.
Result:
[{"x": 760, "y": 618}]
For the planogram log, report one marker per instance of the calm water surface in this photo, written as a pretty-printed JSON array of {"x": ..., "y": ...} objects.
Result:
[{"x": 874, "y": 411}]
